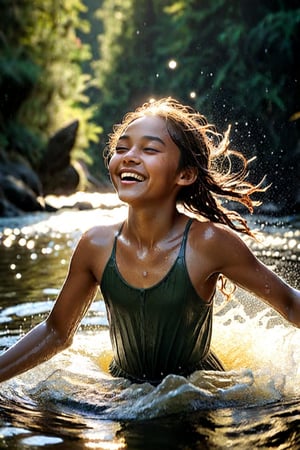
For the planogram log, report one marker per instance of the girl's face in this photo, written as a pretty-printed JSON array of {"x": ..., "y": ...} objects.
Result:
[{"x": 144, "y": 165}]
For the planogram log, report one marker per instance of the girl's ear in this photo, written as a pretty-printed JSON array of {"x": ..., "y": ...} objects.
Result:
[{"x": 188, "y": 176}]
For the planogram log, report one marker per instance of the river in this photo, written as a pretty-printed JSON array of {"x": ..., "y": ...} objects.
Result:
[{"x": 71, "y": 402}]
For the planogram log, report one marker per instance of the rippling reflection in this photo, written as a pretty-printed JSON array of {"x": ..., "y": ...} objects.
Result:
[{"x": 71, "y": 401}]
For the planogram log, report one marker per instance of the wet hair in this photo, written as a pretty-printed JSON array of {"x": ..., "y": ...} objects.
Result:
[{"x": 221, "y": 171}]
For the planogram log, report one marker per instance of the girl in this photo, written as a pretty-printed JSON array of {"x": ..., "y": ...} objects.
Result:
[{"x": 158, "y": 271}]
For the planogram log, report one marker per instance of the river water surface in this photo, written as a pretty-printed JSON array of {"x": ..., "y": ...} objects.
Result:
[{"x": 71, "y": 402}]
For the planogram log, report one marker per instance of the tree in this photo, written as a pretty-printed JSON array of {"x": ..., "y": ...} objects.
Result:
[
  {"x": 41, "y": 83},
  {"x": 126, "y": 71}
]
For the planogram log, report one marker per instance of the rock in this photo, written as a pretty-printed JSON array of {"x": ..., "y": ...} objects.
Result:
[
  {"x": 64, "y": 182},
  {"x": 21, "y": 188},
  {"x": 19, "y": 194},
  {"x": 20, "y": 168},
  {"x": 7, "y": 209},
  {"x": 56, "y": 171}
]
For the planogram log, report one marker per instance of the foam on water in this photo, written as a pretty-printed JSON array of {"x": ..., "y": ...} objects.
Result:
[{"x": 262, "y": 366}]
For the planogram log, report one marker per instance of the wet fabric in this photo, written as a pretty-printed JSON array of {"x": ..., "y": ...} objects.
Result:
[{"x": 159, "y": 330}]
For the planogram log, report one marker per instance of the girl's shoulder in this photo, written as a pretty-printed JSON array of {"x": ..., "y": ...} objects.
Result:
[
  {"x": 94, "y": 248},
  {"x": 214, "y": 235},
  {"x": 100, "y": 236},
  {"x": 217, "y": 247}
]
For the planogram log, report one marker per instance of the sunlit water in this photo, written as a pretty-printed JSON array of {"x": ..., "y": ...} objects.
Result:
[{"x": 71, "y": 402}]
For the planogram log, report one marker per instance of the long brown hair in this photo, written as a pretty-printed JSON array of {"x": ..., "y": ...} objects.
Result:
[{"x": 204, "y": 148}]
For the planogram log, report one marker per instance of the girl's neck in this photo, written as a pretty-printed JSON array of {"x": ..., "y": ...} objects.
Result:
[{"x": 148, "y": 228}]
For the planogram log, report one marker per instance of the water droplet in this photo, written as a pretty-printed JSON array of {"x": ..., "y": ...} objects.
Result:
[
  {"x": 22, "y": 242},
  {"x": 172, "y": 64}
]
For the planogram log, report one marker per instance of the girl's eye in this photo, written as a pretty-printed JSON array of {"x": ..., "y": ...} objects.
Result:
[
  {"x": 120, "y": 149},
  {"x": 151, "y": 150}
]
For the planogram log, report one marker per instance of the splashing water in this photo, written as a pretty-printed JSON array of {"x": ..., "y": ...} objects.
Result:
[{"x": 262, "y": 366}]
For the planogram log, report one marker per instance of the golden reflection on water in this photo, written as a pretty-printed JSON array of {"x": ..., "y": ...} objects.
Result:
[{"x": 97, "y": 441}]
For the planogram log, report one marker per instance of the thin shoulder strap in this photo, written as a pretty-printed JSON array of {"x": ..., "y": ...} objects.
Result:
[
  {"x": 184, "y": 238},
  {"x": 120, "y": 230},
  {"x": 115, "y": 240}
]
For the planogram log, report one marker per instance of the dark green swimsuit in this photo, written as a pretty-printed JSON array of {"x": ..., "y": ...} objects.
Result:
[{"x": 160, "y": 330}]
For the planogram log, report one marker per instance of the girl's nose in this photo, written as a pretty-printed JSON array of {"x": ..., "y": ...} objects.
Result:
[{"x": 132, "y": 155}]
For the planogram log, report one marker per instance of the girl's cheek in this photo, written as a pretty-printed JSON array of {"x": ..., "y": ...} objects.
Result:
[
  {"x": 112, "y": 163},
  {"x": 111, "y": 169}
]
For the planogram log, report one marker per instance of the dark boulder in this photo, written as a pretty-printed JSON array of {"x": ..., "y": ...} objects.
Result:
[
  {"x": 64, "y": 182},
  {"x": 57, "y": 173},
  {"x": 7, "y": 209},
  {"x": 21, "y": 189},
  {"x": 19, "y": 194},
  {"x": 21, "y": 169}
]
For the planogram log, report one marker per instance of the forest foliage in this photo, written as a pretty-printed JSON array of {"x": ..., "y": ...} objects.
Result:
[
  {"x": 236, "y": 62},
  {"x": 42, "y": 85}
]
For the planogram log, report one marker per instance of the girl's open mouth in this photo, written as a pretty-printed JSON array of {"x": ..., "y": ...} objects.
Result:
[{"x": 131, "y": 176}]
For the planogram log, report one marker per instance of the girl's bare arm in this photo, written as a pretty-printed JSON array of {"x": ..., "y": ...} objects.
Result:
[
  {"x": 56, "y": 332},
  {"x": 241, "y": 266}
]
